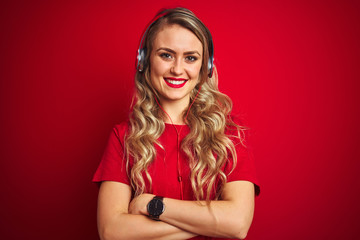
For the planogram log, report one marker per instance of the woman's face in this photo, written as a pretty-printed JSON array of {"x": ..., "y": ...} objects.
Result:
[{"x": 175, "y": 63}]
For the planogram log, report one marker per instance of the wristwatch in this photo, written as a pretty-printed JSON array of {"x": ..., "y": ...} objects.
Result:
[{"x": 156, "y": 207}]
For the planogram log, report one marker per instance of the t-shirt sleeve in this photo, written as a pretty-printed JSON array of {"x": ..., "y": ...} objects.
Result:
[
  {"x": 245, "y": 166},
  {"x": 113, "y": 163}
]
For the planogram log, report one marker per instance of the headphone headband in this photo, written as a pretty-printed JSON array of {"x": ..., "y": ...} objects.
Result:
[{"x": 140, "y": 63}]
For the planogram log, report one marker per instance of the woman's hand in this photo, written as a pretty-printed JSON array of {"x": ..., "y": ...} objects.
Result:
[{"x": 139, "y": 204}]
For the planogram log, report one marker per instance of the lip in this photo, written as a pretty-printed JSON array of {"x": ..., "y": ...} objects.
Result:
[{"x": 173, "y": 84}]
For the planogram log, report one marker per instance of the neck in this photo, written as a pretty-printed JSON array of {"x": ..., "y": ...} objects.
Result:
[{"x": 175, "y": 110}]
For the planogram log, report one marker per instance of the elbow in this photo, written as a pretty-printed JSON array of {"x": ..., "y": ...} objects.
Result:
[
  {"x": 241, "y": 235},
  {"x": 233, "y": 228},
  {"x": 107, "y": 233},
  {"x": 112, "y": 229},
  {"x": 240, "y": 229}
]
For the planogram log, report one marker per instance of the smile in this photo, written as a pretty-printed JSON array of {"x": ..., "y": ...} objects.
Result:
[{"x": 175, "y": 82}]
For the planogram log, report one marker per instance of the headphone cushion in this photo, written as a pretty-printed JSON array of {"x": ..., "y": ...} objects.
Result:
[{"x": 141, "y": 59}]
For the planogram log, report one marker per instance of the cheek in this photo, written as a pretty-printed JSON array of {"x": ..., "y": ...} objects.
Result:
[
  {"x": 154, "y": 79},
  {"x": 158, "y": 67},
  {"x": 154, "y": 71},
  {"x": 195, "y": 70},
  {"x": 153, "y": 74}
]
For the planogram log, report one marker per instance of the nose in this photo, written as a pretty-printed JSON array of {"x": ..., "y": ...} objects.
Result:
[{"x": 177, "y": 67}]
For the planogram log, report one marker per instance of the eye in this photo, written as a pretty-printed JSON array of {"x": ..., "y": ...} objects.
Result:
[
  {"x": 165, "y": 55},
  {"x": 191, "y": 58}
]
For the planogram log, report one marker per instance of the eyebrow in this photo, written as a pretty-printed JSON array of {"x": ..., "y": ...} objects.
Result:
[{"x": 172, "y": 51}]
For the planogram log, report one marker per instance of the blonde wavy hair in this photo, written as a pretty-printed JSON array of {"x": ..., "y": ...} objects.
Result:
[{"x": 207, "y": 146}]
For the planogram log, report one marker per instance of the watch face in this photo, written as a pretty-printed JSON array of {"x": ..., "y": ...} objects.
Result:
[{"x": 155, "y": 207}]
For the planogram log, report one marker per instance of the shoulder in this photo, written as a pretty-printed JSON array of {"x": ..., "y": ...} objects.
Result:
[
  {"x": 118, "y": 133},
  {"x": 121, "y": 129}
]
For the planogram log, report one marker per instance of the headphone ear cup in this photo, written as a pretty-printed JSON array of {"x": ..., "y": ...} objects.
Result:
[
  {"x": 141, "y": 59},
  {"x": 210, "y": 66}
]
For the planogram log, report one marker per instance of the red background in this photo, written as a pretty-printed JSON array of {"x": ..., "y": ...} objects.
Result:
[{"x": 291, "y": 67}]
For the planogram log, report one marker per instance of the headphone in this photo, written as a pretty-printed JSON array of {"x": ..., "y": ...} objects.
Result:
[{"x": 140, "y": 63}]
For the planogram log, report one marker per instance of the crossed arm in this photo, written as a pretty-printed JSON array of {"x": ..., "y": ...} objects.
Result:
[{"x": 119, "y": 217}]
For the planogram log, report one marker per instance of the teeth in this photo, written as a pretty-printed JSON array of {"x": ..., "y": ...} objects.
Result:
[{"x": 175, "y": 82}]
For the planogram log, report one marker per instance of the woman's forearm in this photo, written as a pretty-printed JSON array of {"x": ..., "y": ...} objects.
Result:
[
  {"x": 131, "y": 226},
  {"x": 230, "y": 217},
  {"x": 115, "y": 222},
  {"x": 219, "y": 219}
]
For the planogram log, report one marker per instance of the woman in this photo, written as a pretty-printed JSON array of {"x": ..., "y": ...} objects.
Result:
[{"x": 179, "y": 168}]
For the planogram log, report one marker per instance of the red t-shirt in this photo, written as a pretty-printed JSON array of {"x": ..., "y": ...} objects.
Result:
[{"x": 164, "y": 169}]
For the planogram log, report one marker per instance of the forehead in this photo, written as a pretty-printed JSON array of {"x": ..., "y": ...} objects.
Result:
[{"x": 177, "y": 38}]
